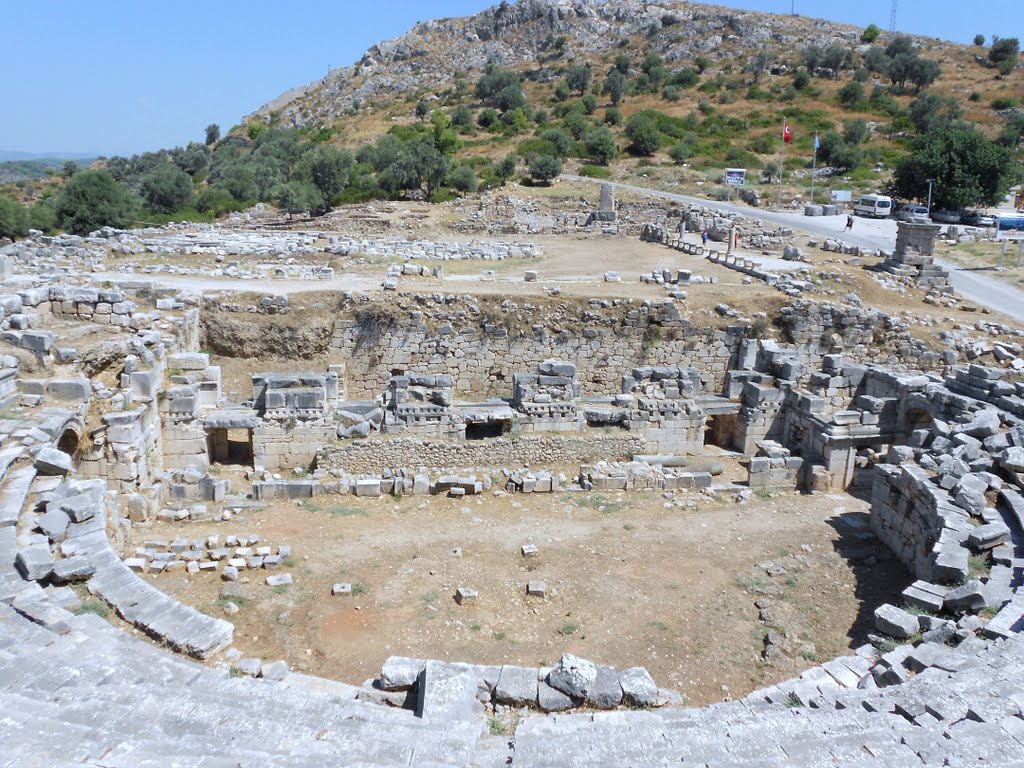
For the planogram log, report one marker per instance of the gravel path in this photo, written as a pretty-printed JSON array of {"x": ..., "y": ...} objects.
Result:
[{"x": 867, "y": 233}]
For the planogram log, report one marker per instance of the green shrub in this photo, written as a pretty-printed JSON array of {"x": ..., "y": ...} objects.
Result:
[
  {"x": 91, "y": 200},
  {"x": 595, "y": 172},
  {"x": 13, "y": 219},
  {"x": 600, "y": 146},
  {"x": 94, "y": 607},
  {"x": 530, "y": 148},
  {"x": 679, "y": 153},
  {"x": 851, "y": 95},
  {"x": 544, "y": 168},
  {"x": 643, "y": 133}
]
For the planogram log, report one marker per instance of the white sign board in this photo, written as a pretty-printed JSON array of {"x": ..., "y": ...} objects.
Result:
[
  {"x": 841, "y": 195},
  {"x": 735, "y": 177}
]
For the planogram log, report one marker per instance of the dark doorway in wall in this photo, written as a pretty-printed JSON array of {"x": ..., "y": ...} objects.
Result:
[
  {"x": 918, "y": 418},
  {"x": 68, "y": 442},
  {"x": 483, "y": 430},
  {"x": 719, "y": 431},
  {"x": 230, "y": 446}
]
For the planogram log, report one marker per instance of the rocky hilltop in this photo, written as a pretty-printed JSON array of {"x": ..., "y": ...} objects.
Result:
[{"x": 514, "y": 35}]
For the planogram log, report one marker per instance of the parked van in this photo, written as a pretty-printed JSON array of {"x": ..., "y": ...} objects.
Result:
[{"x": 875, "y": 206}]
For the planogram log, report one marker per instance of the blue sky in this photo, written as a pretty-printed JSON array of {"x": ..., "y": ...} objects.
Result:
[{"x": 123, "y": 76}]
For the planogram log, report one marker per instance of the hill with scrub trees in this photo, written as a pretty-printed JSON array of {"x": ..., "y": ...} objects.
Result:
[{"x": 664, "y": 94}]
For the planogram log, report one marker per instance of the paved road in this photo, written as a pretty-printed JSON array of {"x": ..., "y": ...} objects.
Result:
[{"x": 876, "y": 235}]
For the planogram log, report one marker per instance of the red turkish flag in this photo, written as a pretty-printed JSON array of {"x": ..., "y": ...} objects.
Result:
[{"x": 787, "y": 135}]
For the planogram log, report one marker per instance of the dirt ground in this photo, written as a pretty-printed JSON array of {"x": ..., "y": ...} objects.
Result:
[{"x": 632, "y": 579}]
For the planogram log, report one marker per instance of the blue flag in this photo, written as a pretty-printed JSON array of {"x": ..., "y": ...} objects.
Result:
[{"x": 817, "y": 143}]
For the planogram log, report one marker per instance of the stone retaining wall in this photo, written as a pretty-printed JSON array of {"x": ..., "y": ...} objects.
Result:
[
  {"x": 917, "y": 521},
  {"x": 482, "y": 361},
  {"x": 375, "y": 455}
]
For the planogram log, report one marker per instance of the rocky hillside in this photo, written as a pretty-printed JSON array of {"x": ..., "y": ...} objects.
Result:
[{"x": 531, "y": 33}]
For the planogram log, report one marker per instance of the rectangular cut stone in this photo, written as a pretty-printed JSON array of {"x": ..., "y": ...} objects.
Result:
[
  {"x": 517, "y": 687},
  {"x": 447, "y": 693}
]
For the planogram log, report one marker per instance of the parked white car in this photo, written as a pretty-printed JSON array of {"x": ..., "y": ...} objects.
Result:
[{"x": 914, "y": 214}]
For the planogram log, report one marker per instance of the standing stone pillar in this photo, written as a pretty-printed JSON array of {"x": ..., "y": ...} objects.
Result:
[{"x": 606, "y": 208}]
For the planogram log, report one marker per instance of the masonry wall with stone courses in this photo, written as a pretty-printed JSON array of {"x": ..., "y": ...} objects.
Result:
[
  {"x": 917, "y": 521},
  {"x": 127, "y": 452},
  {"x": 106, "y": 307},
  {"x": 481, "y": 358},
  {"x": 377, "y": 455},
  {"x": 185, "y": 445},
  {"x": 282, "y": 446},
  {"x": 860, "y": 333},
  {"x": 482, "y": 362}
]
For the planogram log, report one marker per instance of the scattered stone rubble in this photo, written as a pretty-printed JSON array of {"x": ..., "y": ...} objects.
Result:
[
  {"x": 227, "y": 555},
  {"x": 571, "y": 683},
  {"x": 85, "y": 456},
  {"x": 424, "y": 249}
]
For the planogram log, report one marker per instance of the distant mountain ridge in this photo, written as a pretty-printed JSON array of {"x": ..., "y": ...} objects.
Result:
[
  {"x": 8, "y": 155},
  {"x": 35, "y": 167}
]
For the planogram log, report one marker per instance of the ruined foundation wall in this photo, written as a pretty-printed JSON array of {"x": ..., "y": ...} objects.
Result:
[
  {"x": 482, "y": 341},
  {"x": 281, "y": 447},
  {"x": 482, "y": 362},
  {"x": 376, "y": 455},
  {"x": 917, "y": 521}
]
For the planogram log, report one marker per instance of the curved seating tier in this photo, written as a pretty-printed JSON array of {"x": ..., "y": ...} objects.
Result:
[{"x": 77, "y": 690}]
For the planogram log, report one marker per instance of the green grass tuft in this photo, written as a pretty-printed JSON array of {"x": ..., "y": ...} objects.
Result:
[{"x": 94, "y": 607}]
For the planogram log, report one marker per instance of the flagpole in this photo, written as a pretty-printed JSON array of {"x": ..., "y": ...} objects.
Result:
[
  {"x": 782, "y": 160},
  {"x": 814, "y": 166}
]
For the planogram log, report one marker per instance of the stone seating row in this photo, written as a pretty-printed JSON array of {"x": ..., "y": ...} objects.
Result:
[{"x": 76, "y": 690}]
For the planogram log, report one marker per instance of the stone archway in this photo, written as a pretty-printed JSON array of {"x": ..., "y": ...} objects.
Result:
[{"x": 69, "y": 442}]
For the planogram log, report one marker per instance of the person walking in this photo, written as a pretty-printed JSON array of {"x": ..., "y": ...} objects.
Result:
[
  {"x": 704, "y": 238},
  {"x": 849, "y": 223}
]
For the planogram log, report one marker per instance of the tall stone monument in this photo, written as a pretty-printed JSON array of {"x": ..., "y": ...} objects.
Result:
[
  {"x": 606, "y": 208},
  {"x": 914, "y": 256}
]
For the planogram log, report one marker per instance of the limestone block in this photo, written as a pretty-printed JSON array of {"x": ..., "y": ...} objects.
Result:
[
  {"x": 988, "y": 536},
  {"x": 606, "y": 691},
  {"x": 277, "y": 670},
  {"x": 51, "y": 461},
  {"x": 447, "y": 693},
  {"x": 966, "y": 597},
  {"x": 573, "y": 676},
  {"x": 34, "y": 562},
  {"x": 368, "y": 487},
  {"x": 400, "y": 673},
  {"x": 638, "y": 687},
  {"x": 550, "y": 699},
  {"x": 517, "y": 687}
]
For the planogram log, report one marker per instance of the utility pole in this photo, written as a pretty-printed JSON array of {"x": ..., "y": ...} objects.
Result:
[
  {"x": 930, "y": 182},
  {"x": 892, "y": 17}
]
